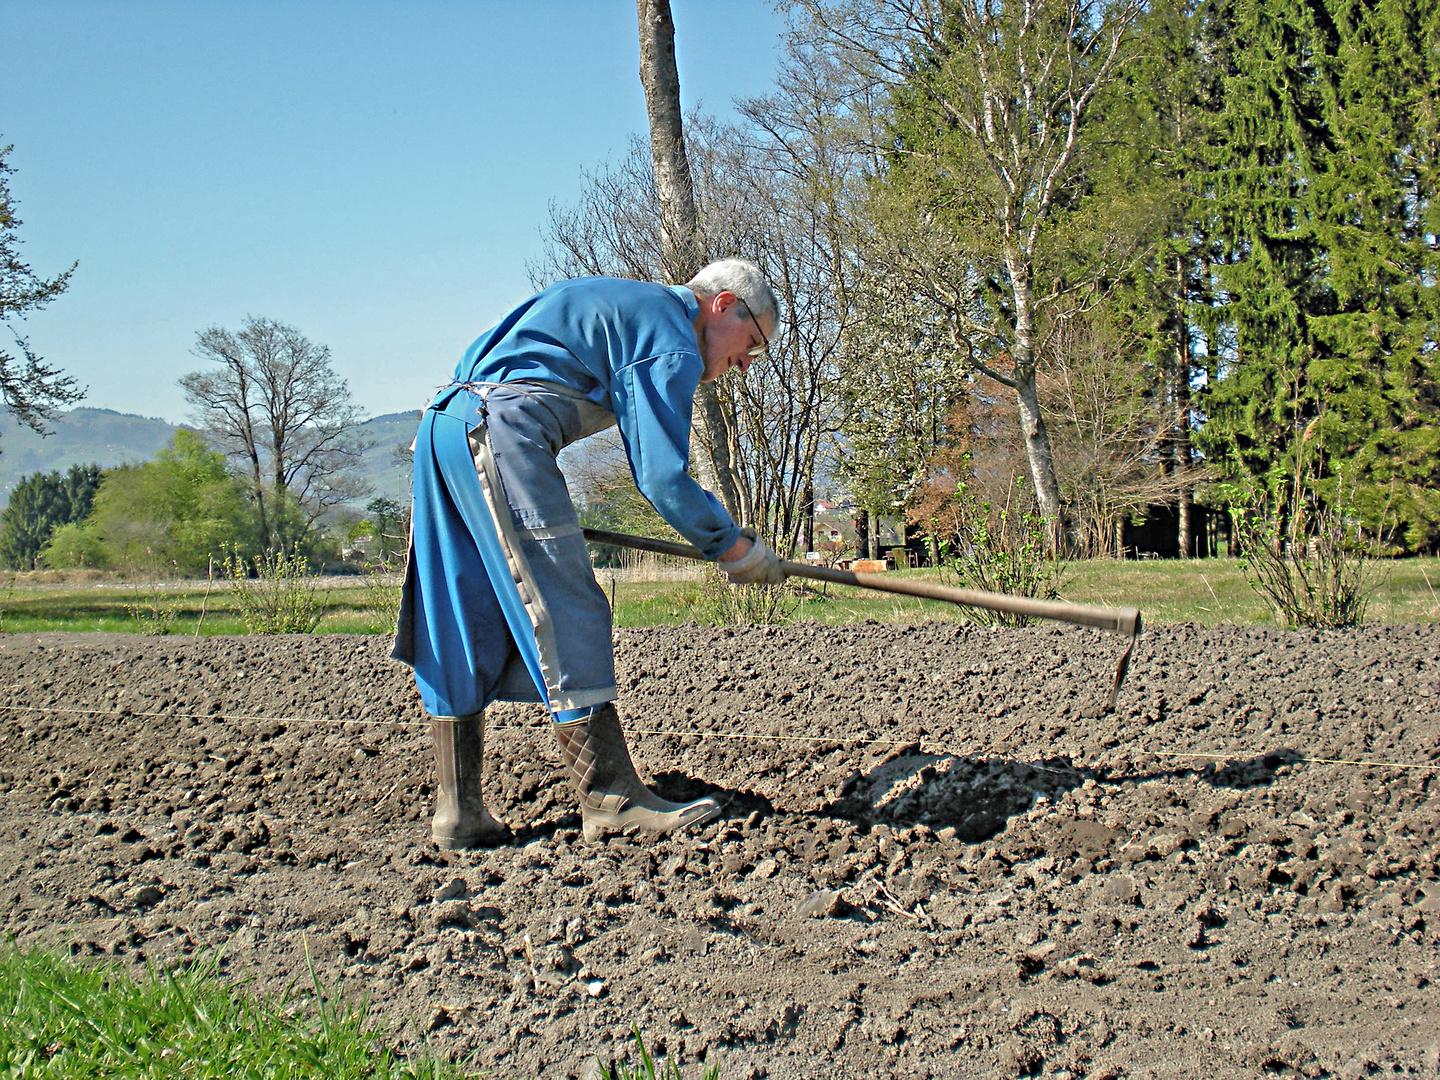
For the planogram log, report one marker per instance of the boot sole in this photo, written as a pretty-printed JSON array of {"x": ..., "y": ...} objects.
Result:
[
  {"x": 598, "y": 823},
  {"x": 486, "y": 839}
]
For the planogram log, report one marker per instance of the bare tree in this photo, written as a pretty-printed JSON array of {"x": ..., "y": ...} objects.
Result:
[
  {"x": 610, "y": 231},
  {"x": 31, "y": 389},
  {"x": 781, "y": 415},
  {"x": 1111, "y": 443},
  {"x": 780, "y": 190},
  {"x": 277, "y": 407}
]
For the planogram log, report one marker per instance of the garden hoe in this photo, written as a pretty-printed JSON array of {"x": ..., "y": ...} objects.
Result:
[{"x": 1125, "y": 620}]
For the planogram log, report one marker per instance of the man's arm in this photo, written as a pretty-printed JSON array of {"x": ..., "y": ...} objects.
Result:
[{"x": 652, "y": 401}]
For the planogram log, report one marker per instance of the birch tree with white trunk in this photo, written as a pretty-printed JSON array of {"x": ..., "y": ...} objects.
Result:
[{"x": 990, "y": 108}]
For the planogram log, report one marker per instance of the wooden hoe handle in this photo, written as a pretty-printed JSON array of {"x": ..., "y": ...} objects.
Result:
[{"x": 1125, "y": 620}]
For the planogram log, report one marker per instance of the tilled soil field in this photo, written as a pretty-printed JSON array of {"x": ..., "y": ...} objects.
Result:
[{"x": 939, "y": 858}]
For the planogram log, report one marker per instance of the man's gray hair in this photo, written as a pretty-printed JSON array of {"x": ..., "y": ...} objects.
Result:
[{"x": 744, "y": 279}]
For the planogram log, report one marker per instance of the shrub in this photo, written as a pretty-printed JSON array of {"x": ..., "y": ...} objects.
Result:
[
  {"x": 75, "y": 545},
  {"x": 282, "y": 598},
  {"x": 1307, "y": 558},
  {"x": 1000, "y": 550},
  {"x": 382, "y": 595},
  {"x": 177, "y": 509},
  {"x": 718, "y": 603},
  {"x": 153, "y": 612}
]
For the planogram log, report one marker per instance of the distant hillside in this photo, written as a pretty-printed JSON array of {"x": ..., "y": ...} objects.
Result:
[
  {"x": 79, "y": 437},
  {"x": 388, "y": 476},
  {"x": 109, "y": 438}
]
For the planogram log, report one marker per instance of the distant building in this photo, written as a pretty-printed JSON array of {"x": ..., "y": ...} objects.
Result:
[{"x": 835, "y": 522}]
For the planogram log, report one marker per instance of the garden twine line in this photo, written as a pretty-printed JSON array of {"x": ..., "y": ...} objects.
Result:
[{"x": 920, "y": 743}]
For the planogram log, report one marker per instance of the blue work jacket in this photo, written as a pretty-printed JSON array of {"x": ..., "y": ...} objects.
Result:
[{"x": 629, "y": 347}]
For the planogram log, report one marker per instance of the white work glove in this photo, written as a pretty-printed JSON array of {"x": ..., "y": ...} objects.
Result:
[{"x": 758, "y": 566}]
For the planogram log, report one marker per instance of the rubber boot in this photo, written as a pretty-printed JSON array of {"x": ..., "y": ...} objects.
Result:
[
  {"x": 612, "y": 798},
  {"x": 461, "y": 820}
]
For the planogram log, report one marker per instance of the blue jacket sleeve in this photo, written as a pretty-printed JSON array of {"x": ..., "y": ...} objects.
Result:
[{"x": 652, "y": 401}]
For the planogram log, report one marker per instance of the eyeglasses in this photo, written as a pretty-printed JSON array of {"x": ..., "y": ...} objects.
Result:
[{"x": 759, "y": 350}]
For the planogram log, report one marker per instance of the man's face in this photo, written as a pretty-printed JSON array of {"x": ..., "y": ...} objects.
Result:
[{"x": 726, "y": 332}]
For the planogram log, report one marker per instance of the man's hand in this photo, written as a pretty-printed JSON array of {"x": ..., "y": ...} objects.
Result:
[{"x": 757, "y": 566}]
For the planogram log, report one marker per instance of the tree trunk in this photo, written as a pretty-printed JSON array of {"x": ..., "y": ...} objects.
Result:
[
  {"x": 710, "y": 454},
  {"x": 679, "y": 221},
  {"x": 258, "y": 487},
  {"x": 1040, "y": 458},
  {"x": 862, "y": 533},
  {"x": 1032, "y": 425},
  {"x": 1180, "y": 445},
  {"x": 683, "y": 250},
  {"x": 807, "y": 520}
]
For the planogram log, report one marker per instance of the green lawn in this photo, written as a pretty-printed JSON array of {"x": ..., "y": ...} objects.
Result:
[
  {"x": 1211, "y": 592},
  {"x": 182, "y": 606},
  {"x": 74, "y": 1020},
  {"x": 65, "y": 1019}
]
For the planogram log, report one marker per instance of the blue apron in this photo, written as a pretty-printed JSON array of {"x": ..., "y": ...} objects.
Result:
[{"x": 496, "y": 550}]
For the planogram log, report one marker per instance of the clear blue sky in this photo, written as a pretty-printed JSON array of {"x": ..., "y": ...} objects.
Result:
[{"x": 374, "y": 173}]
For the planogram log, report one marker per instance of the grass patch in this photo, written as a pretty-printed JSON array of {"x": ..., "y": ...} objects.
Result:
[
  {"x": 344, "y": 608},
  {"x": 671, "y": 603},
  {"x": 1210, "y": 592},
  {"x": 647, "y": 1068},
  {"x": 1214, "y": 592},
  {"x": 63, "y": 1019},
  {"x": 77, "y": 1021}
]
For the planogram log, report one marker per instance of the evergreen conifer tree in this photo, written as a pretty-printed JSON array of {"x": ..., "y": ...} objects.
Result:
[
  {"x": 1324, "y": 195},
  {"x": 40, "y": 504}
]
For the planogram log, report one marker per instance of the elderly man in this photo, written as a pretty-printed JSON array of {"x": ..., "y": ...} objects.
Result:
[{"x": 500, "y": 602}]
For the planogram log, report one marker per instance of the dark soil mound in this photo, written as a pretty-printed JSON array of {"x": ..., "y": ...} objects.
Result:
[{"x": 939, "y": 858}]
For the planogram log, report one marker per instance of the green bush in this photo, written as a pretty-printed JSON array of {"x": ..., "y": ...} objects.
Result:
[
  {"x": 177, "y": 510},
  {"x": 718, "y": 603},
  {"x": 1001, "y": 550},
  {"x": 75, "y": 546},
  {"x": 153, "y": 611},
  {"x": 283, "y": 596}
]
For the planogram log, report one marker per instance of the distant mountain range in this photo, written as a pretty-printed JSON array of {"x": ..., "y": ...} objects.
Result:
[{"x": 109, "y": 438}]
